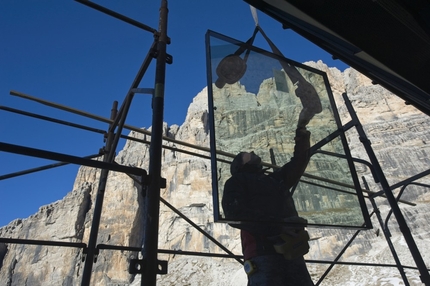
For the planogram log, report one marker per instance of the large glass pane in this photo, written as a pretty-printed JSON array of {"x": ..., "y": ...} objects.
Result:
[{"x": 254, "y": 105}]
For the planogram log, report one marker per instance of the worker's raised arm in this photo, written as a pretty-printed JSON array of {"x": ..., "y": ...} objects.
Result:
[{"x": 293, "y": 170}]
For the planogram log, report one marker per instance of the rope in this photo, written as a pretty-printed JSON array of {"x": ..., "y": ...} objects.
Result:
[{"x": 254, "y": 14}]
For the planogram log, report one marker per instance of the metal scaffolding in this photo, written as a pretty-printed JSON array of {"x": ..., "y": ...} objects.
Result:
[{"x": 151, "y": 181}]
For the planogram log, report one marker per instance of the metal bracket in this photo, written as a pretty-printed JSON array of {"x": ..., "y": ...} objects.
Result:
[
  {"x": 84, "y": 254},
  {"x": 137, "y": 266},
  {"x": 169, "y": 58},
  {"x": 162, "y": 267},
  {"x": 147, "y": 181},
  {"x": 96, "y": 254},
  {"x": 163, "y": 183},
  {"x": 143, "y": 90}
]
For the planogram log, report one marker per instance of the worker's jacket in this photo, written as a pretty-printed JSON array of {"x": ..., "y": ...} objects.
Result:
[{"x": 255, "y": 199}]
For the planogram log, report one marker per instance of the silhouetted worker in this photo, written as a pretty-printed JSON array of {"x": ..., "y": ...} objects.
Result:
[{"x": 273, "y": 253}]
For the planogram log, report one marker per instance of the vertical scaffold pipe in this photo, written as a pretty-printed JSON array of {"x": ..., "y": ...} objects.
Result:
[
  {"x": 92, "y": 242},
  {"x": 152, "y": 199}
]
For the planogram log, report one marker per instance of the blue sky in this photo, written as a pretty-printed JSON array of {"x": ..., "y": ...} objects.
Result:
[{"x": 73, "y": 55}]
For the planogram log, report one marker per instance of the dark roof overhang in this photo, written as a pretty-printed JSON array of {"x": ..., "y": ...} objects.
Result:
[{"x": 386, "y": 40}]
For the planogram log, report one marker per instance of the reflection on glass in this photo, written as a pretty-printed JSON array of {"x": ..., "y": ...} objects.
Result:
[
  {"x": 326, "y": 194},
  {"x": 255, "y": 107}
]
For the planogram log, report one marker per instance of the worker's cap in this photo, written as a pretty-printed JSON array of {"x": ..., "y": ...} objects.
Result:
[{"x": 242, "y": 159}]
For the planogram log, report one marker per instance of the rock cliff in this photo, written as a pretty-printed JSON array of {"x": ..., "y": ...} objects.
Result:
[{"x": 399, "y": 136}]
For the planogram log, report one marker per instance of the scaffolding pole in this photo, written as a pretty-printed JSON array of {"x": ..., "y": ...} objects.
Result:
[
  {"x": 92, "y": 242},
  {"x": 151, "y": 265}
]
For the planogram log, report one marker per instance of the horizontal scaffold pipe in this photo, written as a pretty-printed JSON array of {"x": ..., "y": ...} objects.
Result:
[
  {"x": 22, "y": 150},
  {"x": 169, "y": 251},
  {"x": 178, "y": 142},
  {"x": 42, "y": 242}
]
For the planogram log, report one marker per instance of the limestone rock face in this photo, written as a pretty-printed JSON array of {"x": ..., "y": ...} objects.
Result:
[
  {"x": 37, "y": 265},
  {"x": 399, "y": 137}
]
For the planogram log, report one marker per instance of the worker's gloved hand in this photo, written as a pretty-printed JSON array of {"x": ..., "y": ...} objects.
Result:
[
  {"x": 305, "y": 116},
  {"x": 293, "y": 241},
  {"x": 293, "y": 245}
]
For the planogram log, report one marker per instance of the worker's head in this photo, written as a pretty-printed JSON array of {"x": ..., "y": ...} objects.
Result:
[{"x": 245, "y": 162}]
